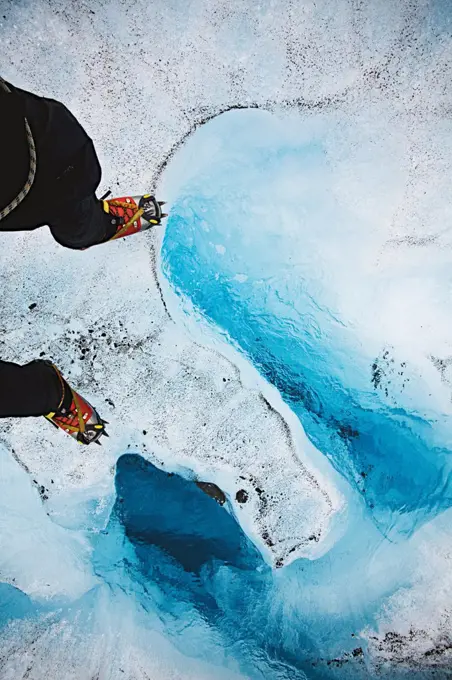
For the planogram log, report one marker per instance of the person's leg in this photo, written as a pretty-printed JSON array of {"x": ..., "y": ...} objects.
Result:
[
  {"x": 39, "y": 389},
  {"x": 82, "y": 224},
  {"x": 31, "y": 390},
  {"x": 78, "y": 220},
  {"x": 87, "y": 223}
]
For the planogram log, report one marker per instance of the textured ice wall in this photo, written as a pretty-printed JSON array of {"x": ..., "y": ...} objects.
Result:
[
  {"x": 138, "y": 96},
  {"x": 99, "y": 59}
]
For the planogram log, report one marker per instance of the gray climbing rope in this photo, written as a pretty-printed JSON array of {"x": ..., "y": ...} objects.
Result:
[{"x": 32, "y": 171}]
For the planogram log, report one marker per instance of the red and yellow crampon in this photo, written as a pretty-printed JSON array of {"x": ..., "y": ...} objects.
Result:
[
  {"x": 81, "y": 421},
  {"x": 134, "y": 213}
]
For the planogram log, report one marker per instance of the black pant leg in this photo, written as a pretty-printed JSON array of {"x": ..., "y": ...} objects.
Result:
[
  {"x": 64, "y": 194},
  {"x": 83, "y": 224},
  {"x": 77, "y": 219},
  {"x": 30, "y": 390}
]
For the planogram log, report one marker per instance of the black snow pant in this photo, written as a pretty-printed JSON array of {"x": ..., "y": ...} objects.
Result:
[
  {"x": 79, "y": 223},
  {"x": 77, "y": 220},
  {"x": 35, "y": 389},
  {"x": 31, "y": 390}
]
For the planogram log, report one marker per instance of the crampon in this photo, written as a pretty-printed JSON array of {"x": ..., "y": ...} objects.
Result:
[
  {"x": 132, "y": 214},
  {"x": 80, "y": 420}
]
